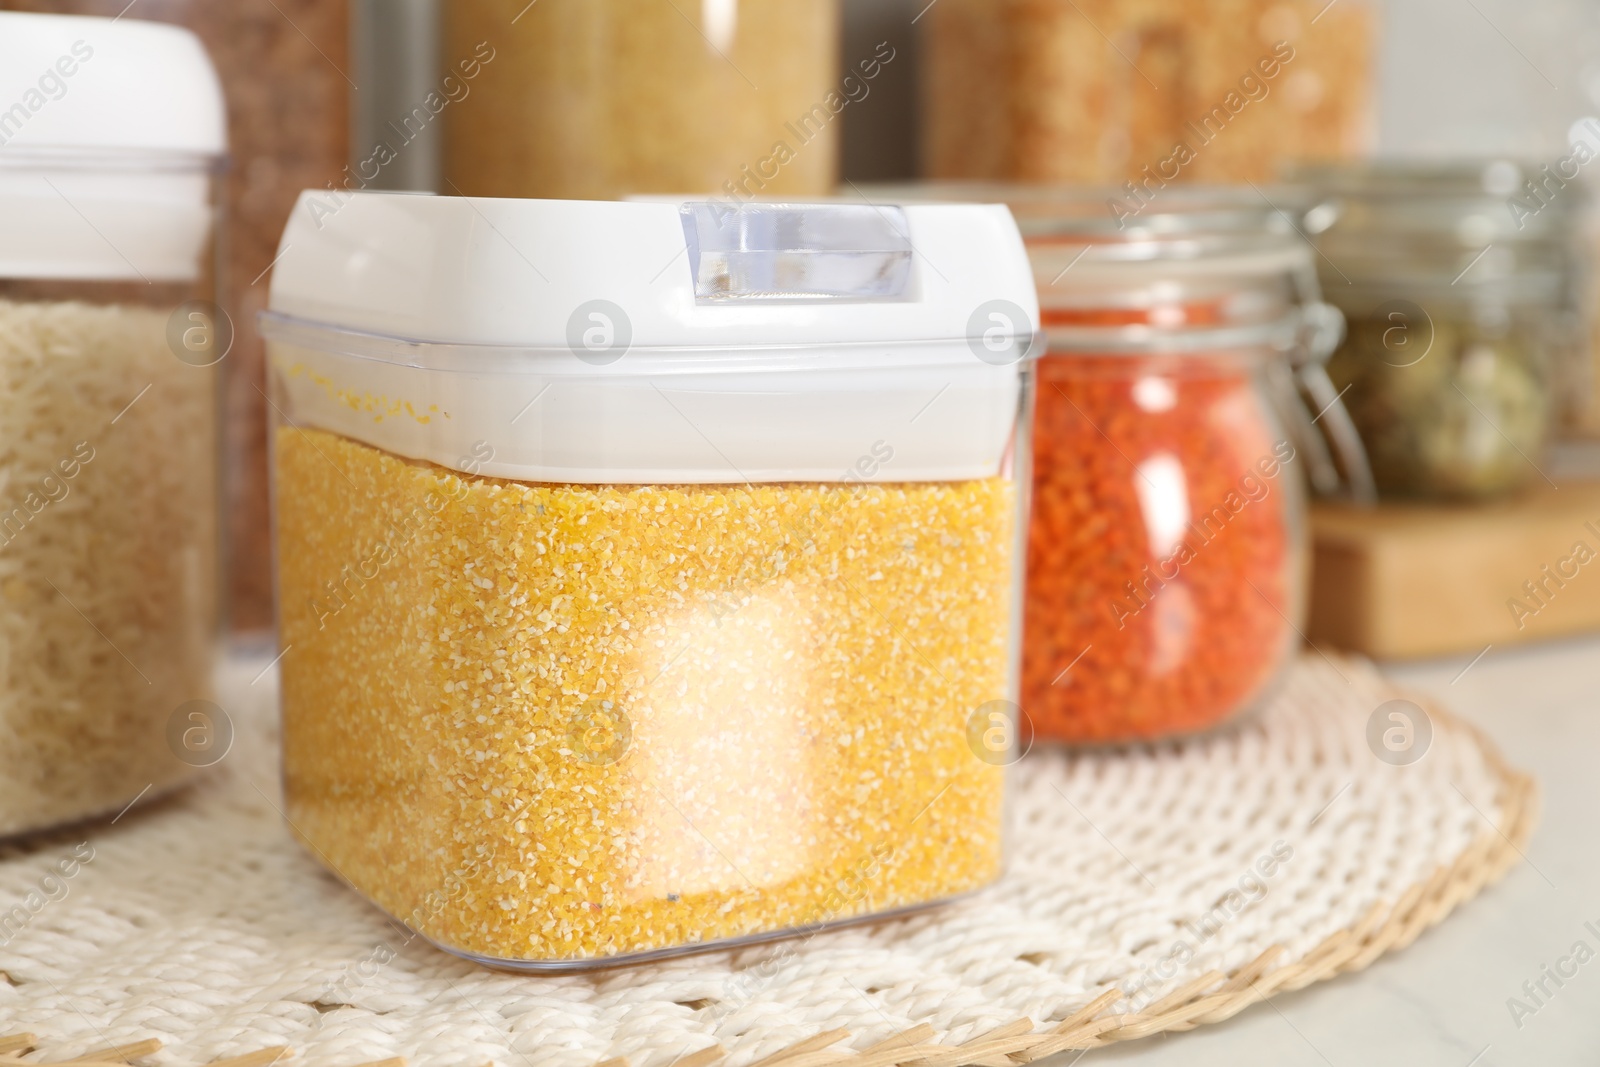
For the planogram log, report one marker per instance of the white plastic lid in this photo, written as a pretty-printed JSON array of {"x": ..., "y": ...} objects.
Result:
[
  {"x": 108, "y": 132},
  {"x": 512, "y": 272},
  {"x": 78, "y": 83},
  {"x": 593, "y": 341}
]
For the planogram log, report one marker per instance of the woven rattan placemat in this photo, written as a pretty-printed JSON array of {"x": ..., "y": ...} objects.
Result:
[{"x": 1149, "y": 890}]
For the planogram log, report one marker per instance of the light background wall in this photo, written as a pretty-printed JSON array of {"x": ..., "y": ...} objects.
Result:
[{"x": 1474, "y": 77}]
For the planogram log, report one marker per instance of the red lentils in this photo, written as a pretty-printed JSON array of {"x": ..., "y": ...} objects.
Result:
[{"x": 1163, "y": 569}]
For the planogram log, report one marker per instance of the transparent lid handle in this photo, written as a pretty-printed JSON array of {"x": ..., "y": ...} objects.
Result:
[{"x": 797, "y": 252}]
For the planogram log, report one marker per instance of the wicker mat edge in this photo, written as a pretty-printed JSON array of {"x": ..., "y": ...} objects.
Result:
[
  {"x": 1211, "y": 998},
  {"x": 1216, "y": 996}
]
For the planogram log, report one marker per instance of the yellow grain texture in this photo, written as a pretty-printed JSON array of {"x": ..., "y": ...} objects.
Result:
[
  {"x": 596, "y": 99},
  {"x": 569, "y": 722}
]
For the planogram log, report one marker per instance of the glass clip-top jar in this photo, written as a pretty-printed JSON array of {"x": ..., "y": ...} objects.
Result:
[
  {"x": 1168, "y": 562},
  {"x": 1464, "y": 325},
  {"x": 1181, "y": 407},
  {"x": 648, "y": 573}
]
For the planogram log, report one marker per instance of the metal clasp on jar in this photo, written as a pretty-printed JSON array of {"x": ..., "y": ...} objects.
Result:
[{"x": 1314, "y": 411}]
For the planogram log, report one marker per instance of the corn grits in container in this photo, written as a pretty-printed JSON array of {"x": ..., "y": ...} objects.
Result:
[{"x": 648, "y": 573}]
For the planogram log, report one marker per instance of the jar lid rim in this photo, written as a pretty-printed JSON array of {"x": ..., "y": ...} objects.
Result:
[{"x": 1144, "y": 339}]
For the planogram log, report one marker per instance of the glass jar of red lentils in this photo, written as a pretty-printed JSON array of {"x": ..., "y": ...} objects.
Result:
[
  {"x": 649, "y": 573},
  {"x": 1181, "y": 413}
]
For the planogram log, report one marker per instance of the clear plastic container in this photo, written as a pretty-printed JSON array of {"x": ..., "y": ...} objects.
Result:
[
  {"x": 108, "y": 478},
  {"x": 606, "y": 98},
  {"x": 1464, "y": 306},
  {"x": 648, "y": 573}
]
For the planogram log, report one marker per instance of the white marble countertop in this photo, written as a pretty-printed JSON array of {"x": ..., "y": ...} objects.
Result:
[{"x": 1443, "y": 1001}]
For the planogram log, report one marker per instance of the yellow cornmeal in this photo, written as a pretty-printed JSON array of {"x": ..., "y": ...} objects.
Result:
[
  {"x": 547, "y": 722},
  {"x": 379, "y": 407}
]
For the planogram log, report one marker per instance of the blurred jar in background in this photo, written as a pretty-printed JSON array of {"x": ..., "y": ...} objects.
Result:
[
  {"x": 1148, "y": 91},
  {"x": 287, "y": 82},
  {"x": 595, "y": 99},
  {"x": 109, "y": 341},
  {"x": 1464, "y": 317}
]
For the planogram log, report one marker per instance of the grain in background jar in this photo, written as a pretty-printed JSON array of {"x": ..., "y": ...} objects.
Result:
[
  {"x": 108, "y": 477},
  {"x": 1463, "y": 293},
  {"x": 1151, "y": 92},
  {"x": 605, "y": 98}
]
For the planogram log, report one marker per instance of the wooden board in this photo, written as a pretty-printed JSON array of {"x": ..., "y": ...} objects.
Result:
[{"x": 1406, "y": 580}]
